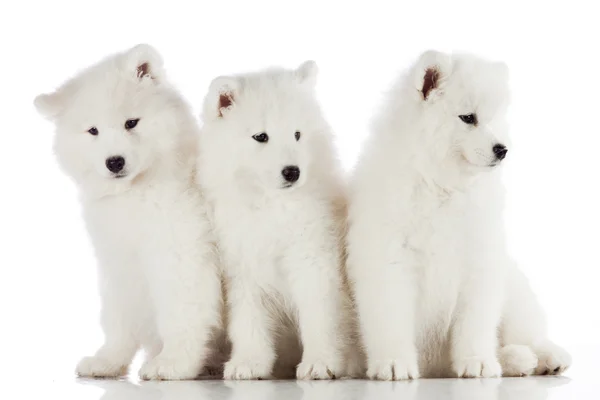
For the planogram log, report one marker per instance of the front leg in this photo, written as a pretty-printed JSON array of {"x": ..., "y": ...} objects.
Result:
[
  {"x": 477, "y": 316},
  {"x": 385, "y": 286},
  {"x": 315, "y": 284},
  {"x": 186, "y": 289},
  {"x": 253, "y": 352},
  {"x": 119, "y": 316}
]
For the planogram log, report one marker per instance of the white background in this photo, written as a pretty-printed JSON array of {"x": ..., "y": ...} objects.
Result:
[{"x": 49, "y": 306}]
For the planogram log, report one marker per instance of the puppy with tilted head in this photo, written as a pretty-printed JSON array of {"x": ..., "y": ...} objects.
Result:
[
  {"x": 436, "y": 291},
  {"x": 128, "y": 140},
  {"x": 268, "y": 167}
]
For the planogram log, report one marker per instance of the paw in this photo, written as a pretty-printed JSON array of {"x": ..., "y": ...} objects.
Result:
[
  {"x": 517, "y": 360},
  {"x": 166, "y": 369},
  {"x": 245, "y": 370},
  {"x": 552, "y": 360},
  {"x": 393, "y": 370},
  {"x": 315, "y": 370},
  {"x": 477, "y": 367},
  {"x": 96, "y": 367}
]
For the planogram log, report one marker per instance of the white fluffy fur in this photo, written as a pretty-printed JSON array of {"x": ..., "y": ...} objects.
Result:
[
  {"x": 436, "y": 291},
  {"x": 159, "y": 279},
  {"x": 282, "y": 247}
]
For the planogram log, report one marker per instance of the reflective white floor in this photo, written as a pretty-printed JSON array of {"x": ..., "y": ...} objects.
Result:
[
  {"x": 55, "y": 381},
  {"x": 490, "y": 389}
]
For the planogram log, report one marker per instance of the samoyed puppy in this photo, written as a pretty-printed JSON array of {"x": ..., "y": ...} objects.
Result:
[
  {"x": 275, "y": 187},
  {"x": 436, "y": 292},
  {"x": 128, "y": 140}
]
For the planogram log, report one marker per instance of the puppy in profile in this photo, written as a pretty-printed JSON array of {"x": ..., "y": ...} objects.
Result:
[
  {"x": 128, "y": 140},
  {"x": 268, "y": 168},
  {"x": 436, "y": 291}
]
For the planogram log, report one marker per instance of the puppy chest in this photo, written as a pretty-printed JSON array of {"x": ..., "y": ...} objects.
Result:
[
  {"x": 437, "y": 231},
  {"x": 254, "y": 240},
  {"x": 127, "y": 224}
]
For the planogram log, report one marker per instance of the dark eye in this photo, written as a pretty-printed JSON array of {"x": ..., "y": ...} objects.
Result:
[
  {"x": 470, "y": 119},
  {"x": 297, "y": 135},
  {"x": 93, "y": 131},
  {"x": 261, "y": 137},
  {"x": 131, "y": 123}
]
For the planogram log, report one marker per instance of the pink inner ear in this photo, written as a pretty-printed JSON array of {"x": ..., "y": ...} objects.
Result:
[
  {"x": 143, "y": 70},
  {"x": 225, "y": 100},
  {"x": 430, "y": 81}
]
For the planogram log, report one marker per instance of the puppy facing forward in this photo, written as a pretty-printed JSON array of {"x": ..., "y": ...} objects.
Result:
[
  {"x": 437, "y": 293},
  {"x": 268, "y": 168},
  {"x": 128, "y": 140}
]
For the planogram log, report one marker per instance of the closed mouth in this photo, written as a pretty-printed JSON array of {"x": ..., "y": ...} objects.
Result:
[
  {"x": 120, "y": 175},
  {"x": 490, "y": 165},
  {"x": 287, "y": 185}
]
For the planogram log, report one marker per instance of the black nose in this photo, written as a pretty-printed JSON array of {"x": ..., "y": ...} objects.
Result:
[
  {"x": 115, "y": 164},
  {"x": 291, "y": 173},
  {"x": 500, "y": 151}
]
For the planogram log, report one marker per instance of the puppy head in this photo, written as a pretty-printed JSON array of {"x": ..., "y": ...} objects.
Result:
[
  {"x": 116, "y": 119},
  {"x": 265, "y": 124},
  {"x": 465, "y": 100}
]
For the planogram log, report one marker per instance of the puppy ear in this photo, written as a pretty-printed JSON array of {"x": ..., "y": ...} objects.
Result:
[
  {"x": 307, "y": 72},
  {"x": 431, "y": 70},
  {"x": 145, "y": 63},
  {"x": 49, "y": 105},
  {"x": 222, "y": 96}
]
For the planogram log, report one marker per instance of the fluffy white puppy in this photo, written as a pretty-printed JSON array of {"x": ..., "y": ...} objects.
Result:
[
  {"x": 268, "y": 167},
  {"x": 128, "y": 140},
  {"x": 436, "y": 291}
]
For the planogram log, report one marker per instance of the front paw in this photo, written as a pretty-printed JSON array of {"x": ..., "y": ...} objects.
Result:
[
  {"x": 162, "y": 368},
  {"x": 552, "y": 360},
  {"x": 477, "y": 367},
  {"x": 315, "y": 370},
  {"x": 393, "y": 369},
  {"x": 97, "y": 367},
  {"x": 247, "y": 369}
]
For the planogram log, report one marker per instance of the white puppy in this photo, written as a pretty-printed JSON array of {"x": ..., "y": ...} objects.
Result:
[
  {"x": 268, "y": 168},
  {"x": 427, "y": 256},
  {"x": 128, "y": 140}
]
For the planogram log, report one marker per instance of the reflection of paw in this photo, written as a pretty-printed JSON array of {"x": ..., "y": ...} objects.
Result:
[
  {"x": 161, "y": 368},
  {"x": 517, "y": 360},
  {"x": 315, "y": 370},
  {"x": 393, "y": 370},
  {"x": 552, "y": 360},
  {"x": 96, "y": 367},
  {"x": 480, "y": 389},
  {"x": 244, "y": 370},
  {"x": 477, "y": 367}
]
